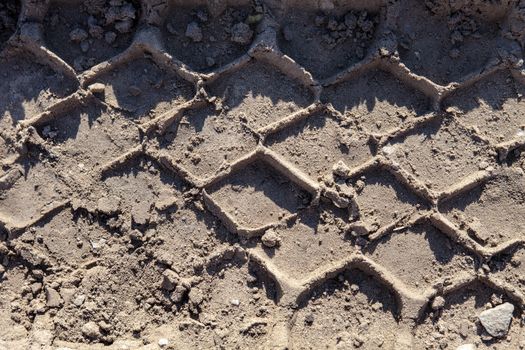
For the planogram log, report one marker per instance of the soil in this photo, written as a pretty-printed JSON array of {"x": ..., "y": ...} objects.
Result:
[{"x": 266, "y": 174}]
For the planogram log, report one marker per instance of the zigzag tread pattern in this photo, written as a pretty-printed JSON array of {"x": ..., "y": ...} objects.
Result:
[{"x": 259, "y": 173}]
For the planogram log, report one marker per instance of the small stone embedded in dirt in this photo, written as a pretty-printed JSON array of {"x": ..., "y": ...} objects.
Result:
[
  {"x": 241, "y": 33},
  {"x": 135, "y": 90},
  {"x": 235, "y": 302},
  {"x": 91, "y": 330},
  {"x": 438, "y": 303},
  {"x": 466, "y": 347},
  {"x": 270, "y": 238},
  {"x": 496, "y": 321},
  {"x": 79, "y": 300},
  {"x": 194, "y": 32},
  {"x": 53, "y": 298},
  {"x": 163, "y": 342},
  {"x": 340, "y": 169},
  {"x": 361, "y": 228},
  {"x": 97, "y": 88}
]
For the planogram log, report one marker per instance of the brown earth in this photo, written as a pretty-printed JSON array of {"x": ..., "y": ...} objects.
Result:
[{"x": 233, "y": 174}]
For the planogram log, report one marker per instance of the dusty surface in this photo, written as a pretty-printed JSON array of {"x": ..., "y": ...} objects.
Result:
[{"x": 267, "y": 174}]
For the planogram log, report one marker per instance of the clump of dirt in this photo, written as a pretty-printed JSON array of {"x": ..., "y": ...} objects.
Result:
[
  {"x": 317, "y": 39},
  {"x": 9, "y": 11},
  {"x": 458, "y": 37},
  {"x": 357, "y": 25},
  {"x": 461, "y": 17},
  {"x": 94, "y": 30},
  {"x": 205, "y": 40}
]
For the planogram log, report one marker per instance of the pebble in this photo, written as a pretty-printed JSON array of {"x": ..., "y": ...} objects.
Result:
[
  {"x": 241, "y": 33},
  {"x": 91, "y": 330},
  {"x": 483, "y": 165},
  {"x": 270, "y": 238},
  {"x": 79, "y": 300},
  {"x": 194, "y": 32},
  {"x": 97, "y": 88},
  {"x": 438, "y": 303},
  {"x": 466, "y": 347},
  {"x": 53, "y": 299},
  {"x": 340, "y": 169},
  {"x": 235, "y": 302},
  {"x": 134, "y": 90},
  {"x": 163, "y": 342},
  {"x": 496, "y": 321}
]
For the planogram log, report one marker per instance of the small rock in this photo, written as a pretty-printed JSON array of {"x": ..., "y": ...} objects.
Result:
[
  {"x": 97, "y": 88},
  {"x": 53, "y": 299},
  {"x": 270, "y": 238},
  {"x": 496, "y": 321},
  {"x": 163, "y": 342},
  {"x": 483, "y": 165},
  {"x": 134, "y": 90},
  {"x": 79, "y": 300},
  {"x": 106, "y": 327},
  {"x": 235, "y": 302},
  {"x": 438, "y": 303},
  {"x": 91, "y": 330},
  {"x": 466, "y": 347},
  {"x": 78, "y": 35},
  {"x": 194, "y": 32},
  {"x": 340, "y": 169},
  {"x": 360, "y": 228},
  {"x": 241, "y": 33}
]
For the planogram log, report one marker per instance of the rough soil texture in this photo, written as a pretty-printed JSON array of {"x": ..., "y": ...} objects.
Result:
[{"x": 264, "y": 174}]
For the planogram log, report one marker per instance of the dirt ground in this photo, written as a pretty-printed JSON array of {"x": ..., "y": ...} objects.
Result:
[{"x": 264, "y": 174}]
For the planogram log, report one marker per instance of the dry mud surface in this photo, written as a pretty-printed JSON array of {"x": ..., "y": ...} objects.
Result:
[{"x": 320, "y": 174}]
